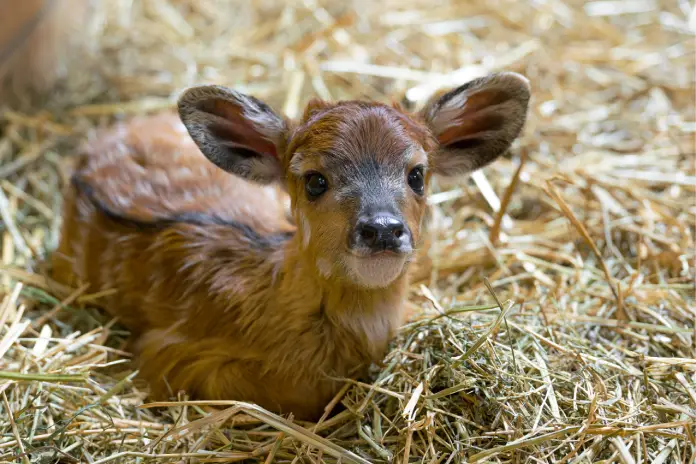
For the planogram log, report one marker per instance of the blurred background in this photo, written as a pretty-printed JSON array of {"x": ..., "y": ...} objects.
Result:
[{"x": 123, "y": 50}]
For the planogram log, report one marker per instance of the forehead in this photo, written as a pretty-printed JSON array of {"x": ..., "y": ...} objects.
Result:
[{"x": 355, "y": 134}]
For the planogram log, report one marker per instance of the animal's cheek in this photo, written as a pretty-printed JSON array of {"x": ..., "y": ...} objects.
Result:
[
  {"x": 330, "y": 230},
  {"x": 296, "y": 192},
  {"x": 415, "y": 234},
  {"x": 413, "y": 214}
]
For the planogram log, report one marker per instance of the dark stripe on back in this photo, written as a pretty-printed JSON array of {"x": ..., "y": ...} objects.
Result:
[{"x": 161, "y": 223}]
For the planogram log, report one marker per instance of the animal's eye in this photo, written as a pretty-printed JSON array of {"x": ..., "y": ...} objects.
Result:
[
  {"x": 415, "y": 180},
  {"x": 315, "y": 185}
]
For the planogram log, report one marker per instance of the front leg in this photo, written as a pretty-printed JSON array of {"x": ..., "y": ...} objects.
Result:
[
  {"x": 212, "y": 369},
  {"x": 220, "y": 369}
]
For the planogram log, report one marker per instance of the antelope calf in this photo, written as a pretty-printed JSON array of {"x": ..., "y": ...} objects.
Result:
[{"x": 228, "y": 296}]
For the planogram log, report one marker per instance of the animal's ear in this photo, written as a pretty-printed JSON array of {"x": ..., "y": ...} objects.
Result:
[
  {"x": 237, "y": 132},
  {"x": 477, "y": 122}
]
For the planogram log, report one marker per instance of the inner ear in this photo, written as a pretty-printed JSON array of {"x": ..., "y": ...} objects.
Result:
[
  {"x": 233, "y": 129},
  {"x": 477, "y": 122},
  {"x": 236, "y": 132}
]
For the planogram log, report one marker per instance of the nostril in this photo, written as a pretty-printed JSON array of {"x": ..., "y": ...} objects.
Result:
[
  {"x": 383, "y": 232},
  {"x": 368, "y": 234}
]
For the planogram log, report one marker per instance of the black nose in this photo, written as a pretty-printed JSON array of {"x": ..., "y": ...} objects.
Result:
[{"x": 381, "y": 232}]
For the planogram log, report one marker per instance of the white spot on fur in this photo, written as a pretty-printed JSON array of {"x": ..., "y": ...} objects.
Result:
[
  {"x": 306, "y": 232},
  {"x": 376, "y": 271},
  {"x": 376, "y": 324},
  {"x": 287, "y": 205},
  {"x": 324, "y": 267}
]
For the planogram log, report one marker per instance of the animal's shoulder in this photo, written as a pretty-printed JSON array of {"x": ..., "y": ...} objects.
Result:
[{"x": 149, "y": 169}]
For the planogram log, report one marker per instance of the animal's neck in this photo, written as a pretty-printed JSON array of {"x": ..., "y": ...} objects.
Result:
[{"x": 362, "y": 319}]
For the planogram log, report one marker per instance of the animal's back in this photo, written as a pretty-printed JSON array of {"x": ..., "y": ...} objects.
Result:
[{"x": 141, "y": 200}]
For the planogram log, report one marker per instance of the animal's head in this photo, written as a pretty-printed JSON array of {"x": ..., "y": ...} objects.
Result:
[{"x": 358, "y": 172}]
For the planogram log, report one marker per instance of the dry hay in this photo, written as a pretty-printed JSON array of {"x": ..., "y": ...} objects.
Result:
[{"x": 561, "y": 329}]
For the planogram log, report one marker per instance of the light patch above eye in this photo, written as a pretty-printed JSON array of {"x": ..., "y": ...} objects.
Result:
[
  {"x": 303, "y": 163},
  {"x": 298, "y": 164},
  {"x": 416, "y": 156}
]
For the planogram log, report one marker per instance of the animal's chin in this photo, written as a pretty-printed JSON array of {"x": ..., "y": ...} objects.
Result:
[{"x": 377, "y": 270}]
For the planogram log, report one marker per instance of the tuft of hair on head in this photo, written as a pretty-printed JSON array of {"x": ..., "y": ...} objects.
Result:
[
  {"x": 477, "y": 122},
  {"x": 314, "y": 106},
  {"x": 236, "y": 132}
]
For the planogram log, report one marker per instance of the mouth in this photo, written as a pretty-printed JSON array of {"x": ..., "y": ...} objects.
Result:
[
  {"x": 368, "y": 254},
  {"x": 375, "y": 269}
]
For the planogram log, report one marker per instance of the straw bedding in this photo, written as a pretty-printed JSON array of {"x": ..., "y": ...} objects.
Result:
[{"x": 556, "y": 310}]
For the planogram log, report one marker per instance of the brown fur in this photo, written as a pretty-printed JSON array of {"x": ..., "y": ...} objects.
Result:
[
  {"x": 227, "y": 298},
  {"x": 215, "y": 313}
]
